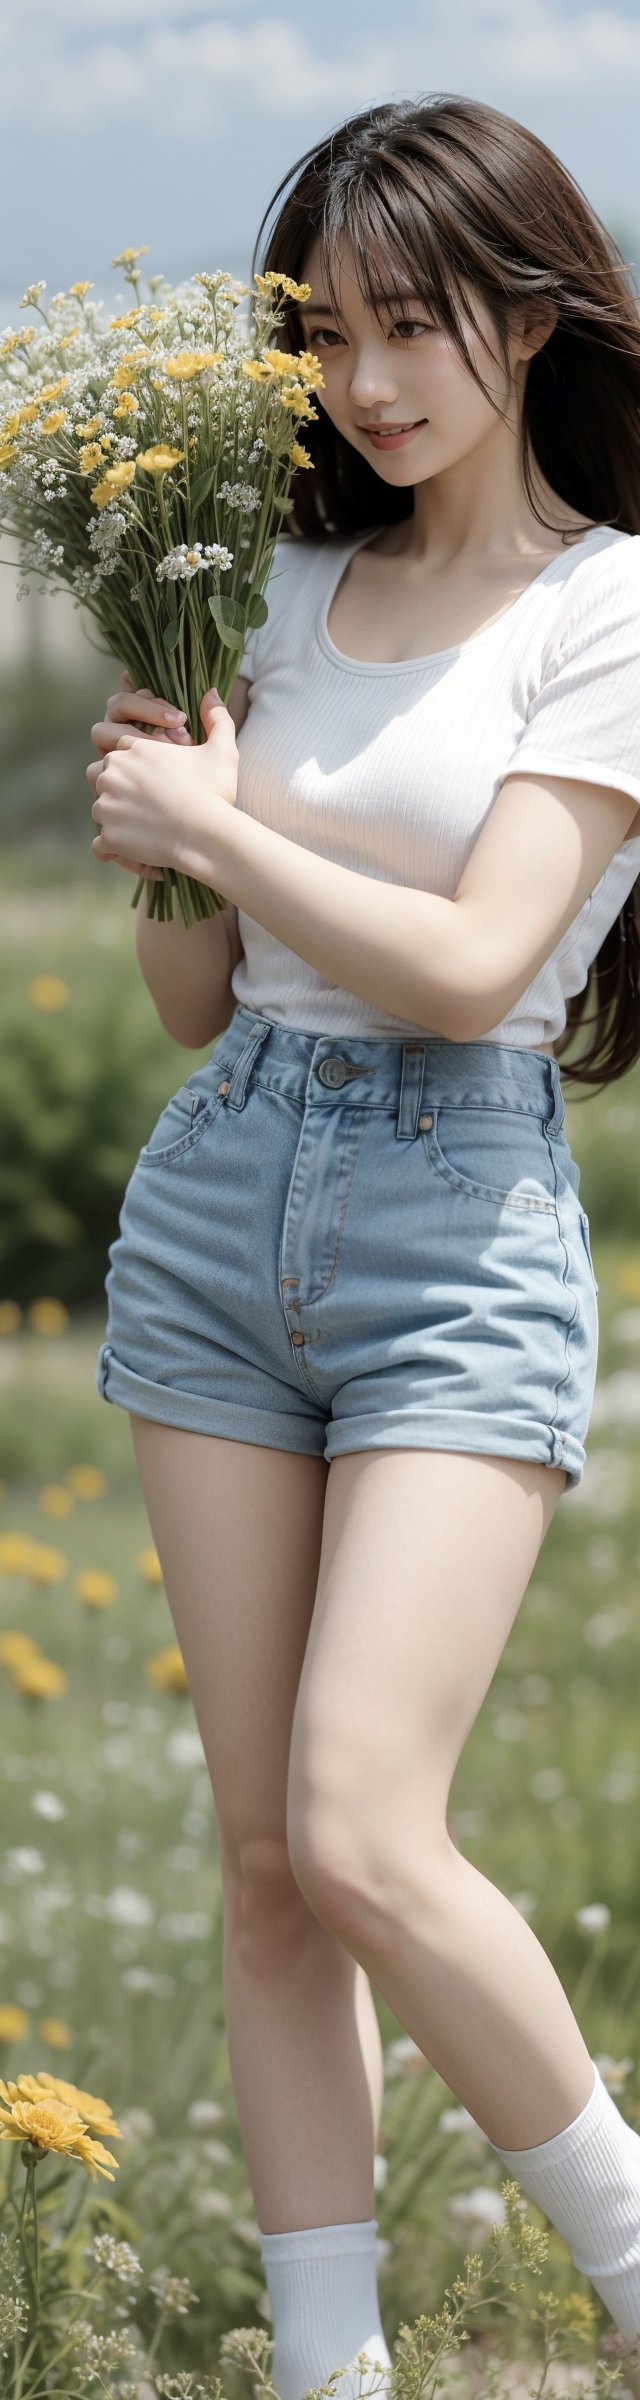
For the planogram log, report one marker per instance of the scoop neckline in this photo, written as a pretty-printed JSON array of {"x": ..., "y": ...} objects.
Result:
[{"x": 402, "y": 666}]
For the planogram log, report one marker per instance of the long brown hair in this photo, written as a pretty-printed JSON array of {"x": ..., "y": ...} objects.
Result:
[{"x": 452, "y": 191}]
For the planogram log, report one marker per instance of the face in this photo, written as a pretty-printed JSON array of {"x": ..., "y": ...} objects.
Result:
[{"x": 403, "y": 372}]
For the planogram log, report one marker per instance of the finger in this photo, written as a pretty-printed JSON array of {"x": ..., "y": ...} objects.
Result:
[{"x": 150, "y": 707}]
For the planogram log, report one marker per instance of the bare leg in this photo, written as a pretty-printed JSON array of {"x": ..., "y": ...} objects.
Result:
[
  {"x": 425, "y": 1560},
  {"x": 238, "y": 1529}
]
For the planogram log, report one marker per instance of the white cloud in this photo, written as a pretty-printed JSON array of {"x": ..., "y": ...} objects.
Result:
[{"x": 139, "y": 60}]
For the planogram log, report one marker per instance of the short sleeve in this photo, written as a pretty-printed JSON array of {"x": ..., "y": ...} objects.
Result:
[{"x": 585, "y": 719}]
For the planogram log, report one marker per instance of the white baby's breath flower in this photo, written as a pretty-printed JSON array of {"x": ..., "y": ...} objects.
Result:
[{"x": 596, "y": 1918}]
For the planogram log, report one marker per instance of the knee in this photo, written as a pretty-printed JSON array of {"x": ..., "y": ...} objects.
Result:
[
  {"x": 361, "y": 1866},
  {"x": 265, "y": 1910}
]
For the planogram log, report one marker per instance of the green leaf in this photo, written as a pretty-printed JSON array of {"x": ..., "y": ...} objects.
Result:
[
  {"x": 230, "y": 619},
  {"x": 171, "y": 598},
  {"x": 201, "y": 489},
  {"x": 171, "y": 635},
  {"x": 257, "y": 611}
]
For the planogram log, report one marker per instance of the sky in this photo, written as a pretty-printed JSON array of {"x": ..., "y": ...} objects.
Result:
[{"x": 172, "y": 122}]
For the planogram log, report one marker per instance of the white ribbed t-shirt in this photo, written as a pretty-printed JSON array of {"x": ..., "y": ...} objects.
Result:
[{"x": 391, "y": 769}]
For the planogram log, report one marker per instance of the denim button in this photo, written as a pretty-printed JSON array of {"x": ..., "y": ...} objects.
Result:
[{"x": 333, "y": 1071}]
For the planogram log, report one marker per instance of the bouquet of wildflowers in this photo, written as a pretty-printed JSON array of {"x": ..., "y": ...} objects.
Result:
[{"x": 145, "y": 464}]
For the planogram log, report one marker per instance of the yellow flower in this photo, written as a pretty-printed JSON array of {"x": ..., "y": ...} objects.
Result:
[
  {"x": 14, "y": 2023},
  {"x": 97, "y": 2113},
  {"x": 130, "y": 318},
  {"x": 187, "y": 363},
  {"x": 78, "y": 290},
  {"x": 115, "y": 480},
  {"x": 297, "y": 400},
  {"x": 16, "y": 1553},
  {"x": 51, "y": 391},
  {"x": 16, "y": 1646},
  {"x": 309, "y": 367},
  {"x": 166, "y": 1669},
  {"x": 95, "y": 1587},
  {"x": 66, "y": 338},
  {"x": 131, "y": 364},
  {"x": 53, "y": 423},
  {"x": 11, "y": 425},
  {"x": 14, "y": 340},
  {"x": 7, "y": 454},
  {"x": 299, "y": 456},
  {"x": 84, "y": 432},
  {"x": 257, "y": 369},
  {"x": 10, "y": 1316},
  {"x": 47, "y": 1565},
  {"x": 270, "y": 281},
  {"x": 127, "y": 405},
  {"x": 106, "y": 440},
  {"x": 39, "y": 1678},
  {"x": 54, "y": 2031},
  {"x": 148, "y": 1565},
  {"x": 90, "y": 457},
  {"x": 55, "y": 1500},
  {"x": 48, "y": 991},
  {"x": 88, "y": 1483},
  {"x": 304, "y": 365},
  {"x": 48, "y": 1316},
  {"x": 47, "y": 2125},
  {"x": 125, "y": 256},
  {"x": 159, "y": 458}
]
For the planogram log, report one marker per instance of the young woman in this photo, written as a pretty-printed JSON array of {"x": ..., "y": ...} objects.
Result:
[{"x": 352, "y": 1309}]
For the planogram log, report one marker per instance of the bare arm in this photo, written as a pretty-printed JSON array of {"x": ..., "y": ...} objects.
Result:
[{"x": 187, "y": 969}]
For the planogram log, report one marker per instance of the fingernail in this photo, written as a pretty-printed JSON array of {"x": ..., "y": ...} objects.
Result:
[{"x": 174, "y": 716}]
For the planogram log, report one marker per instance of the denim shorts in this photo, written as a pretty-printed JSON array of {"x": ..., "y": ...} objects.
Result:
[{"x": 333, "y": 1244}]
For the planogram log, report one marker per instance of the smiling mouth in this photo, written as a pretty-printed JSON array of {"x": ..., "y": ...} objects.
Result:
[{"x": 410, "y": 428}]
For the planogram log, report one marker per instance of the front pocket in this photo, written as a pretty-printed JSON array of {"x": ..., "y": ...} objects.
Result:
[
  {"x": 495, "y": 1154},
  {"x": 179, "y": 1127}
]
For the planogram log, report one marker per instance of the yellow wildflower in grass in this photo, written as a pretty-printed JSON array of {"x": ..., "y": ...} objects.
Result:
[
  {"x": 299, "y": 456},
  {"x": 131, "y": 364},
  {"x": 187, "y": 363},
  {"x": 7, "y": 454},
  {"x": 16, "y": 1646},
  {"x": 88, "y": 1482},
  {"x": 39, "y": 1678},
  {"x": 14, "y": 2022},
  {"x": 127, "y": 405},
  {"x": 55, "y": 1500},
  {"x": 130, "y": 318},
  {"x": 54, "y": 2031},
  {"x": 49, "y": 2125},
  {"x": 159, "y": 458},
  {"x": 95, "y": 1588},
  {"x": 90, "y": 457},
  {"x": 53, "y": 423},
  {"x": 258, "y": 370},
  {"x": 77, "y": 290},
  {"x": 48, "y": 1316},
  {"x": 125, "y": 256},
  {"x": 10, "y": 1316},
  {"x": 66, "y": 338},
  {"x": 16, "y": 1552},
  {"x": 14, "y": 341},
  {"x": 628, "y": 1279},
  {"x": 48, "y": 992},
  {"x": 115, "y": 480},
  {"x": 47, "y": 1565},
  {"x": 293, "y": 291},
  {"x": 97, "y": 2114},
  {"x": 84, "y": 432},
  {"x": 148, "y": 1565},
  {"x": 166, "y": 1670}
]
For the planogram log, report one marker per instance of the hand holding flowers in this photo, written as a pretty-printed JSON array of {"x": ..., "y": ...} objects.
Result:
[{"x": 157, "y": 803}]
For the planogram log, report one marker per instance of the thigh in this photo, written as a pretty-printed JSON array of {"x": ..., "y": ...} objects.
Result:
[
  {"x": 238, "y": 1530},
  {"x": 426, "y": 1556}
]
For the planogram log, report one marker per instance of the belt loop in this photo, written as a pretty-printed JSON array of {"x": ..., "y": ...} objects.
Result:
[
  {"x": 234, "y": 1092},
  {"x": 555, "y": 1120},
  {"x": 413, "y": 1054}
]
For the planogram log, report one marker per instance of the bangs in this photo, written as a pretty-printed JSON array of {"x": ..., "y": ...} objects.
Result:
[{"x": 378, "y": 219}]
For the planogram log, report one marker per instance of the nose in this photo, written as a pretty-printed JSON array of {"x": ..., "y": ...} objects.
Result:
[{"x": 372, "y": 383}]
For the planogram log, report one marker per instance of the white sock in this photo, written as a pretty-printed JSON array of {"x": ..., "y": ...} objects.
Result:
[
  {"x": 324, "y": 2302},
  {"x": 587, "y": 2181}
]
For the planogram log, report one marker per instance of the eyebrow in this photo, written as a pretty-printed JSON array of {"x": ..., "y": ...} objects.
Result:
[{"x": 320, "y": 308}]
